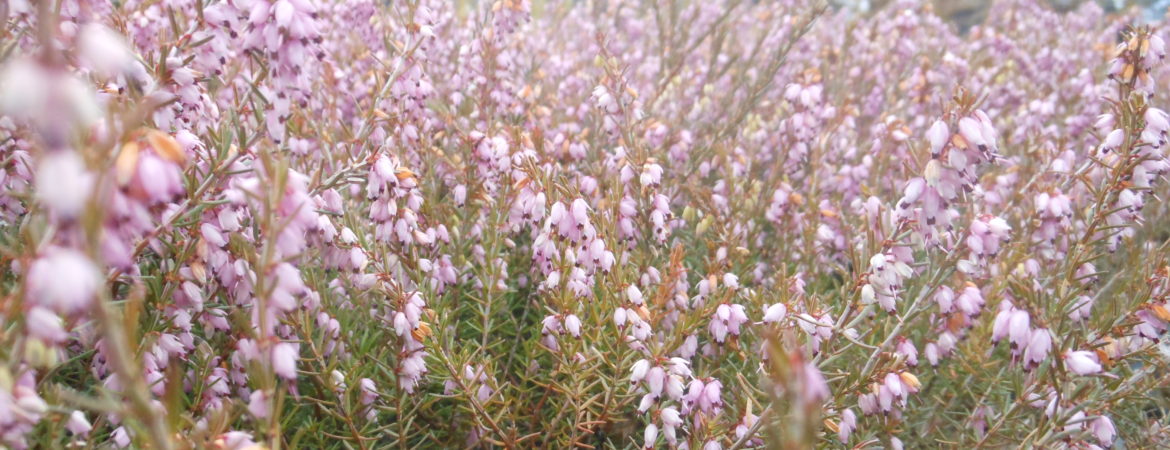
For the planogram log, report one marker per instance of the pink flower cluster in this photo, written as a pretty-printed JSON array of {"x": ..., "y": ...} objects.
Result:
[{"x": 244, "y": 224}]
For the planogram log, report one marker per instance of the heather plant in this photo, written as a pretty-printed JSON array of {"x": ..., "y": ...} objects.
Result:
[{"x": 242, "y": 224}]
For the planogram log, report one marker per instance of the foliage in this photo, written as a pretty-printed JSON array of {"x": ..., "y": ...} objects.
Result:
[{"x": 710, "y": 224}]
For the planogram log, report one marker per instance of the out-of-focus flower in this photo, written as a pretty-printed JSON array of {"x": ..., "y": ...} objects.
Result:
[
  {"x": 847, "y": 425},
  {"x": 105, "y": 51},
  {"x": 63, "y": 280},
  {"x": 775, "y": 313},
  {"x": 1103, "y": 429},
  {"x": 284, "y": 360},
  {"x": 259, "y": 404},
  {"x": 64, "y": 184},
  {"x": 78, "y": 424},
  {"x": 1081, "y": 362}
]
